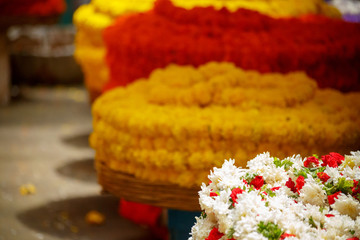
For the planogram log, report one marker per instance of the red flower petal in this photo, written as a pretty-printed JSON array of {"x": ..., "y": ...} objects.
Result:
[
  {"x": 300, "y": 181},
  {"x": 285, "y": 235},
  {"x": 311, "y": 162},
  {"x": 257, "y": 182},
  {"x": 323, "y": 176},
  {"x": 214, "y": 234},
  {"x": 213, "y": 194},
  {"x": 332, "y": 160},
  {"x": 275, "y": 188},
  {"x": 331, "y": 198},
  {"x": 234, "y": 194},
  {"x": 290, "y": 184}
]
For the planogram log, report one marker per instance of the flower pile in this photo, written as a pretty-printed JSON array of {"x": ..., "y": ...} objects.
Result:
[
  {"x": 327, "y": 49},
  {"x": 179, "y": 123},
  {"x": 292, "y": 198},
  {"x": 91, "y": 19},
  {"x": 32, "y": 7}
]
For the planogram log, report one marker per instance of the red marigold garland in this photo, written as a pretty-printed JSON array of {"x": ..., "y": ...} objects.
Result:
[{"x": 327, "y": 49}]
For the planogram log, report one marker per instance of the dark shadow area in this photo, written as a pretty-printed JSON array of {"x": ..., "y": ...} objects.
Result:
[
  {"x": 66, "y": 219},
  {"x": 82, "y": 170},
  {"x": 79, "y": 140}
]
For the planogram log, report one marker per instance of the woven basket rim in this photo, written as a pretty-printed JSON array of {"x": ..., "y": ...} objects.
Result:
[{"x": 130, "y": 188}]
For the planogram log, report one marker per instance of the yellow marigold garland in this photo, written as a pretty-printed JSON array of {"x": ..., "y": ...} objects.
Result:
[{"x": 183, "y": 121}]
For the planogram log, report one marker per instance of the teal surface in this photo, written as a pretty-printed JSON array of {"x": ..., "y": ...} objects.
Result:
[{"x": 180, "y": 223}]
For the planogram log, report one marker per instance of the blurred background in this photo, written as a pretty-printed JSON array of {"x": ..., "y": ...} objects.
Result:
[{"x": 48, "y": 182}]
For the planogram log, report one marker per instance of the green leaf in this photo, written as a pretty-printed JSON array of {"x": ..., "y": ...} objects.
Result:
[
  {"x": 249, "y": 177},
  {"x": 312, "y": 223},
  {"x": 270, "y": 193},
  {"x": 284, "y": 163},
  {"x": 345, "y": 185},
  {"x": 302, "y": 172},
  {"x": 270, "y": 230},
  {"x": 203, "y": 215},
  {"x": 230, "y": 234},
  {"x": 342, "y": 185}
]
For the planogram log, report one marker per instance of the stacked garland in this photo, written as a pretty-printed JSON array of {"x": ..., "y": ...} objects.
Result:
[
  {"x": 32, "y": 7},
  {"x": 327, "y": 49},
  {"x": 183, "y": 121},
  {"x": 90, "y": 21},
  {"x": 92, "y": 18},
  {"x": 292, "y": 198},
  {"x": 275, "y": 8}
]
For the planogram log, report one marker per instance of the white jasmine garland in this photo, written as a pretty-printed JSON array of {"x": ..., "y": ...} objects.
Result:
[{"x": 286, "y": 199}]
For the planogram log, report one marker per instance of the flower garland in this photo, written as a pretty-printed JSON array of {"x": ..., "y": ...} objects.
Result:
[
  {"x": 326, "y": 49},
  {"x": 171, "y": 127},
  {"x": 32, "y": 7},
  {"x": 92, "y": 18},
  {"x": 275, "y": 8},
  {"x": 292, "y": 198}
]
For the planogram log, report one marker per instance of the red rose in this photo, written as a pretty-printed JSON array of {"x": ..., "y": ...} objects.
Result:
[
  {"x": 331, "y": 198},
  {"x": 234, "y": 194},
  {"x": 332, "y": 160},
  {"x": 257, "y": 182},
  {"x": 323, "y": 176},
  {"x": 214, "y": 234},
  {"x": 300, "y": 181},
  {"x": 354, "y": 238},
  {"x": 329, "y": 215},
  {"x": 213, "y": 194},
  {"x": 311, "y": 162},
  {"x": 290, "y": 184},
  {"x": 285, "y": 235}
]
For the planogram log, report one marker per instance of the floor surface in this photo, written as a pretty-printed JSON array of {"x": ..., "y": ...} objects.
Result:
[{"x": 44, "y": 142}]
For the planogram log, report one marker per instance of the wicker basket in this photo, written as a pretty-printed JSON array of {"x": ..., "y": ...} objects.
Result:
[{"x": 133, "y": 189}]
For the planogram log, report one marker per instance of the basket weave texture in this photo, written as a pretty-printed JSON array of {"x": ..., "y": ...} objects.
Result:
[{"x": 159, "y": 194}]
